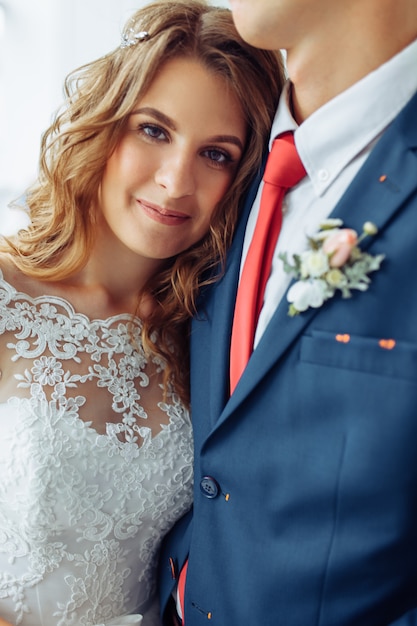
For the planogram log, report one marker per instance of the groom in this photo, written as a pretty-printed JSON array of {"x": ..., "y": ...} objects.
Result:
[{"x": 305, "y": 507}]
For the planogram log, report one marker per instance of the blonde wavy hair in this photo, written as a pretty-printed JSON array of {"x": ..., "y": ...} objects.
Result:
[{"x": 75, "y": 149}]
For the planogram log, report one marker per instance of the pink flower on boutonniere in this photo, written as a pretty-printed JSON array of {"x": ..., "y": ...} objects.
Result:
[
  {"x": 333, "y": 262},
  {"x": 339, "y": 246}
]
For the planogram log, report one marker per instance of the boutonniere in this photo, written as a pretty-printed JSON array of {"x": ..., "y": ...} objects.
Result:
[{"x": 334, "y": 262}]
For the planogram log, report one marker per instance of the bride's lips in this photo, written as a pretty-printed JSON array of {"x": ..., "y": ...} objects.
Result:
[{"x": 162, "y": 215}]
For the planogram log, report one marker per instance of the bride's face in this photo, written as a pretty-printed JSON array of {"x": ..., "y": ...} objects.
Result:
[{"x": 176, "y": 160}]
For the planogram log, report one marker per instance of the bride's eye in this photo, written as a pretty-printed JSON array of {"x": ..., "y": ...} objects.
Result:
[
  {"x": 218, "y": 158},
  {"x": 153, "y": 132}
]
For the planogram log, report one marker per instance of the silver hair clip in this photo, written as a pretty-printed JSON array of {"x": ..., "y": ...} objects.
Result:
[{"x": 130, "y": 38}]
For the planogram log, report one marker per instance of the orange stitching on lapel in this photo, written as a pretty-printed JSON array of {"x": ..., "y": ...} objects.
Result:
[
  {"x": 387, "y": 344},
  {"x": 343, "y": 338},
  {"x": 383, "y": 178},
  {"x": 172, "y": 566}
]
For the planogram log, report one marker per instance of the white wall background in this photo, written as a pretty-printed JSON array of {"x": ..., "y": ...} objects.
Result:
[{"x": 41, "y": 41}]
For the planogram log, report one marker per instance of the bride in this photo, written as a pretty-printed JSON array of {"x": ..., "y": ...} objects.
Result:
[{"x": 140, "y": 178}]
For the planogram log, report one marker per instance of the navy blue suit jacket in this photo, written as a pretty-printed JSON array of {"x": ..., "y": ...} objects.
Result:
[{"x": 313, "y": 460}]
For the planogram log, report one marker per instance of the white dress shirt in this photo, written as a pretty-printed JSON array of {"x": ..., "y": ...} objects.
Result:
[{"x": 333, "y": 144}]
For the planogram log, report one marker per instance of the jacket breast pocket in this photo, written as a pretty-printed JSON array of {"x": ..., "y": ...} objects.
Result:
[
  {"x": 352, "y": 388},
  {"x": 383, "y": 356}
]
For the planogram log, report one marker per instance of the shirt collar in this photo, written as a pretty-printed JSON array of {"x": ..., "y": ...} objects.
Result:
[{"x": 349, "y": 123}]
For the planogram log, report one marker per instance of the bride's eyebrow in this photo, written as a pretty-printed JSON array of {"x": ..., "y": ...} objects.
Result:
[
  {"x": 227, "y": 139},
  {"x": 157, "y": 115}
]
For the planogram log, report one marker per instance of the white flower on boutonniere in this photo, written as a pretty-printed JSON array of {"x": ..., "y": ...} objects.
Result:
[{"x": 334, "y": 262}]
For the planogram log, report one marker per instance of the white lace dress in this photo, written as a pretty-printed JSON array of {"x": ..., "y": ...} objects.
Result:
[{"x": 95, "y": 466}]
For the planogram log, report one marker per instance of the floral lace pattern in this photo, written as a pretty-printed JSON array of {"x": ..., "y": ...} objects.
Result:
[{"x": 95, "y": 465}]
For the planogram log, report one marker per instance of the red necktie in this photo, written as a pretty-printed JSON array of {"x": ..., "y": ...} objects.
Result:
[{"x": 283, "y": 171}]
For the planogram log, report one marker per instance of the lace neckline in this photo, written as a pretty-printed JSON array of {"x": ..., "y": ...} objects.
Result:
[
  {"x": 55, "y": 352},
  {"x": 66, "y": 305}
]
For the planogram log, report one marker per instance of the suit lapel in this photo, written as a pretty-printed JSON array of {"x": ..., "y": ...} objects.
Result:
[{"x": 378, "y": 192}]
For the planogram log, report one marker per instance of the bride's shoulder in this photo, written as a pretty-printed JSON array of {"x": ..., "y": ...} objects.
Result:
[
  {"x": 7, "y": 269},
  {"x": 13, "y": 276}
]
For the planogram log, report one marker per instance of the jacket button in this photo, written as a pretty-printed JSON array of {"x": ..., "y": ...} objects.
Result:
[{"x": 209, "y": 487}]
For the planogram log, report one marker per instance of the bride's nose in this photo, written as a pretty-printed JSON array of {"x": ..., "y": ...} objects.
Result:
[{"x": 177, "y": 174}]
